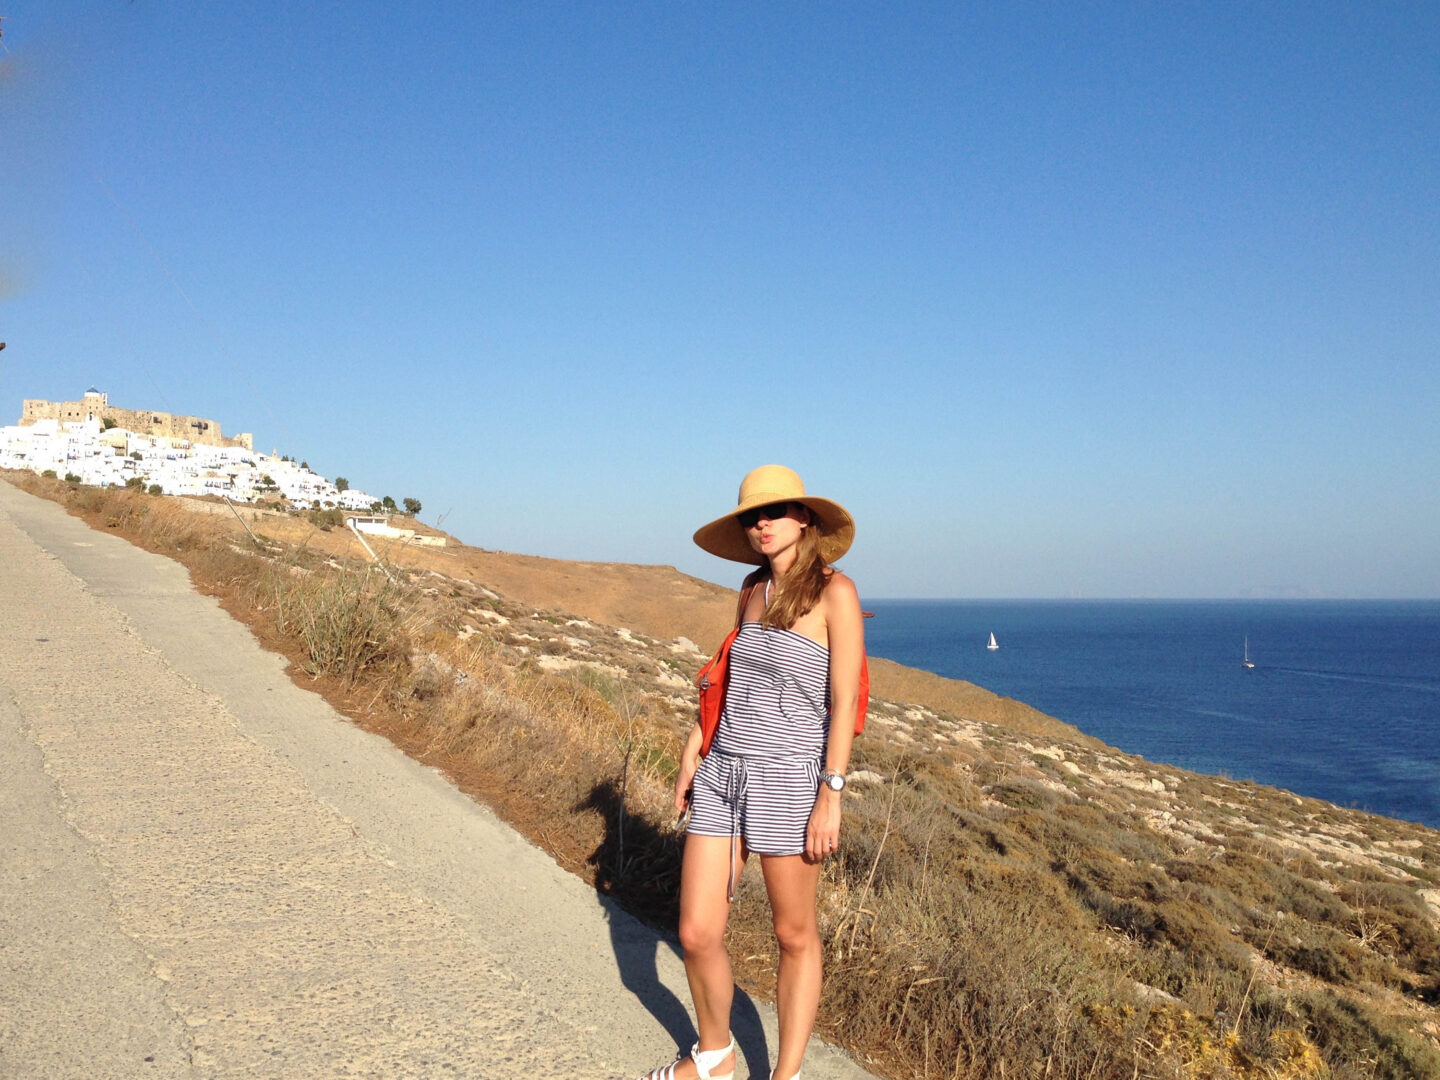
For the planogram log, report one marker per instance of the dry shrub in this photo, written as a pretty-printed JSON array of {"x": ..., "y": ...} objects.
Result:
[
  {"x": 929, "y": 979},
  {"x": 1355, "y": 1042},
  {"x": 350, "y": 622},
  {"x": 1394, "y": 921}
]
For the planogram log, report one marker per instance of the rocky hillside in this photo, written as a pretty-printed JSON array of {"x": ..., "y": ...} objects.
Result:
[{"x": 657, "y": 601}]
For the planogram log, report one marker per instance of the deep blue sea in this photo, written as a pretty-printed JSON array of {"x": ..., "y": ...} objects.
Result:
[{"x": 1343, "y": 702}]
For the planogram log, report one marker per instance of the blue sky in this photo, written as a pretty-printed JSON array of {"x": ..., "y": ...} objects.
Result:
[{"x": 1060, "y": 300}]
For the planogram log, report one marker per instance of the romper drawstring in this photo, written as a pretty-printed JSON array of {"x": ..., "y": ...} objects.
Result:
[
  {"x": 737, "y": 789},
  {"x": 737, "y": 786}
]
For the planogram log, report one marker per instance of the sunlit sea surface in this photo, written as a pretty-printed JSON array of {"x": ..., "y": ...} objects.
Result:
[{"x": 1343, "y": 702}]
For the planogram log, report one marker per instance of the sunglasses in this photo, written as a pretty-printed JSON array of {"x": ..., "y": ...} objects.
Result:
[{"x": 774, "y": 512}]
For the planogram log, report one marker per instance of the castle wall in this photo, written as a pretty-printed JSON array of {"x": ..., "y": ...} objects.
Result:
[{"x": 141, "y": 421}]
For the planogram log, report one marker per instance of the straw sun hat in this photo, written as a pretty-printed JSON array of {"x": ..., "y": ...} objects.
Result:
[{"x": 772, "y": 484}]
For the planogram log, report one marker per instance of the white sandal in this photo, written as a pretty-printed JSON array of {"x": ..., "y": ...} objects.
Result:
[{"x": 705, "y": 1060}]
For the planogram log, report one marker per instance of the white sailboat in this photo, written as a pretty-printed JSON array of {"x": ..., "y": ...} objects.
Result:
[
  {"x": 993, "y": 643},
  {"x": 1247, "y": 662}
]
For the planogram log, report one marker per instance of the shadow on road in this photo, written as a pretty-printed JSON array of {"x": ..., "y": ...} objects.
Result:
[{"x": 638, "y": 877}]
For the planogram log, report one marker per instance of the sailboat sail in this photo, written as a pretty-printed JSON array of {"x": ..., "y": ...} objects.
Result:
[{"x": 993, "y": 645}]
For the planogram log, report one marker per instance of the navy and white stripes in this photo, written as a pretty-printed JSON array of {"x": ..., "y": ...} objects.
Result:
[
  {"x": 777, "y": 703},
  {"x": 761, "y": 776}
]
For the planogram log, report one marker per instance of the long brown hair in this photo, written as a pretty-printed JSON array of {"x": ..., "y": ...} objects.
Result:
[{"x": 799, "y": 590}]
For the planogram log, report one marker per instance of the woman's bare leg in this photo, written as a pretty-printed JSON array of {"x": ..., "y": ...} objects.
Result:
[
  {"x": 791, "y": 882},
  {"x": 704, "y": 910}
]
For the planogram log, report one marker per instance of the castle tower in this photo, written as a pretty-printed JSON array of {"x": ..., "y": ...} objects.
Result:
[{"x": 95, "y": 403}]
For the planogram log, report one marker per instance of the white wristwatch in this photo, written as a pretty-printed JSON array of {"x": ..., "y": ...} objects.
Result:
[{"x": 833, "y": 780}]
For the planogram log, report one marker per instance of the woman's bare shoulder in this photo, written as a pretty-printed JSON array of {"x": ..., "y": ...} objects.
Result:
[{"x": 839, "y": 589}]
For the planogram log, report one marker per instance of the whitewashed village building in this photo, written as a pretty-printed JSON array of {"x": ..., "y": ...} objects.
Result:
[{"x": 83, "y": 448}]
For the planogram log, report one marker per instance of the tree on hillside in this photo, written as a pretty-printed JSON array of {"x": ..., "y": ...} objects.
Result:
[
  {"x": 375, "y": 507},
  {"x": 412, "y": 506},
  {"x": 389, "y": 504},
  {"x": 106, "y": 423},
  {"x": 341, "y": 484}
]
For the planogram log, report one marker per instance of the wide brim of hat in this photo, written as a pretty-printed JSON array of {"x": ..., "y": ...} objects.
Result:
[{"x": 725, "y": 537}]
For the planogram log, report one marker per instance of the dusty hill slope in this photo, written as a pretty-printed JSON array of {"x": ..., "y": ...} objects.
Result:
[{"x": 658, "y": 601}]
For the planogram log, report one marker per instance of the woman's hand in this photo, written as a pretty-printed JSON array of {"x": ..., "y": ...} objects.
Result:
[
  {"x": 822, "y": 835},
  {"x": 689, "y": 763},
  {"x": 683, "y": 780}
]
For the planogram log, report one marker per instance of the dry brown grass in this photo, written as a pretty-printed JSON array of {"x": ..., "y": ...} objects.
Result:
[
  {"x": 1010, "y": 902},
  {"x": 350, "y": 623},
  {"x": 658, "y": 601}
]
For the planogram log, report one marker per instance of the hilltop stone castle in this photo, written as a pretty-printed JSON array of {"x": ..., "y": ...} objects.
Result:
[{"x": 96, "y": 406}]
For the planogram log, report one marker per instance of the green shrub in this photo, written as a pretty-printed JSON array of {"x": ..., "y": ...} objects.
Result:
[{"x": 327, "y": 519}]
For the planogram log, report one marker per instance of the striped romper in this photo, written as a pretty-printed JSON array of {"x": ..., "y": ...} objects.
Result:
[{"x": 761, "y": 776}]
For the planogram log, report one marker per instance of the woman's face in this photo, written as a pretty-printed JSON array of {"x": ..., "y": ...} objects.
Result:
[{"x": 775, "y": 528}]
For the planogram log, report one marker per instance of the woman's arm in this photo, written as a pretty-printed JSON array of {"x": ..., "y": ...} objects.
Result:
[
  {"x": 689, "y": 762},
  {"x": 846, "y": 629}
]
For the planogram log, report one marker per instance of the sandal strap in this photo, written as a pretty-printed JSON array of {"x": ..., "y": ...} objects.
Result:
[
  {"x": 664, "y": 1072},
  {"x": 705, "y": 1060}
]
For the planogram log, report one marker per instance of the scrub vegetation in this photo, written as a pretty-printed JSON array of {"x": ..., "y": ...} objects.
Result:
[{"x": 1011, "y": 901}]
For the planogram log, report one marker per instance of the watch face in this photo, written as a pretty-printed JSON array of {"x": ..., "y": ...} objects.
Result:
[{"x": 835, "y": 782}]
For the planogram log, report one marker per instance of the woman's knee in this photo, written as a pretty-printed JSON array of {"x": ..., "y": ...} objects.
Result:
[
  {"x": 699, "y": 936},
  {"x": 795, "y": 935}
]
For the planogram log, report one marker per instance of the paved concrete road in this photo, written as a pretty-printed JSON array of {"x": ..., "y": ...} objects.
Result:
[{"x": 207, "y": 872}]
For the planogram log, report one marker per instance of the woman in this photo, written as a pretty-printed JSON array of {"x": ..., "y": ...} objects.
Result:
[{"x": 773, "y": 778}]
